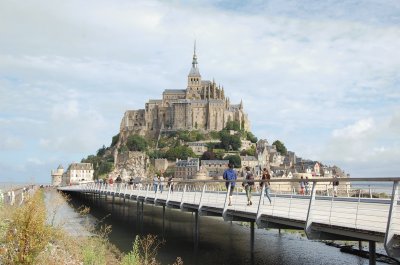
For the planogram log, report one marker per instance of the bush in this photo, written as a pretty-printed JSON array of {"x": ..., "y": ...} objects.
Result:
[
  {"x": 180, "y": 152},
  {"x": 251, "y": 137},
  {"x": 235, "y": 160},
  {"x": 27, "y": 234},
  {"x": 233, "y": 125},
  {"x": 230, "y": 142},
  {"x": 208, "y": 155},
  {"x": 136, "y": 142},
  {"x": 101, "y": 151},
  {"x": 114, "y": 140},
  {"x": 280, "y": 147}
]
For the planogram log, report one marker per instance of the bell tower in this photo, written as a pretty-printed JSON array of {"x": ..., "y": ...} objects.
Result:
[{"x": 194, "y": 78}]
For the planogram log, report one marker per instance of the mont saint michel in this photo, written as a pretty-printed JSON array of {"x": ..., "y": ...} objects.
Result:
[{"x": 203, "y": 105}]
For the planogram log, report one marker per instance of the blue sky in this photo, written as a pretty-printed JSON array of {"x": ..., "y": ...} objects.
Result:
[{"x": 321, "y": 76}]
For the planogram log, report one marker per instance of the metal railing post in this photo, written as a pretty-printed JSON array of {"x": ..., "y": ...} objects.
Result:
[
  {"x": 391, "y": 244},
  {"x": 201, "y": 198},
  {"x": 147, "y": 192},
  {"x": 310, "y": 234},
  {"x": 183, "y": 195},
  {"x": 358, "y": 204},
  {"x": 258, "y": 216},
  {"x": 225, "y": 210},
  {"x": 169, "y": 193}
]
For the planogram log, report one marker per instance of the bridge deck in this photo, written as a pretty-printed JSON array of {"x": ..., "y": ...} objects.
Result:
[{"x": 322, "y": 217}]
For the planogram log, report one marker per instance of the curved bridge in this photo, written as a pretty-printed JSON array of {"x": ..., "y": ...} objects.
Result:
[{"x": 355, "y": 214}]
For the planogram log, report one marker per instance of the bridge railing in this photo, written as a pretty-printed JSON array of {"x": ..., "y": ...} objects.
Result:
[{"x": 356, "y": 203}]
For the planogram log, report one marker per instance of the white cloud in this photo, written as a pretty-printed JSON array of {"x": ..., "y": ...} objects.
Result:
[
  {"x": 10, "y": 143},
  {"x": 355, "y": 131},
  {"x": 319, "y": 74}
]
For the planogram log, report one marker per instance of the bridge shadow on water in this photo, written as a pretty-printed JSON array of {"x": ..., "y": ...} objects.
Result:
[{"x": 219, "y": 242}]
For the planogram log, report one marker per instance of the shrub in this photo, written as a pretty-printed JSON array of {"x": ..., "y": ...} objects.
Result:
[{"x": 136, "y": 142}]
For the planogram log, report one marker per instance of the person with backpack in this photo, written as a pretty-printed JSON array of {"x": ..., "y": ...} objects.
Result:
[
  {"x": 230, "y": 176},
  {"x": 248, "y": 185},
  {"x": 266, "y": 176}
]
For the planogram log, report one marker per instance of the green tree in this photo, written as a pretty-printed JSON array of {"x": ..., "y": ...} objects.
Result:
[
  {"x": 114, "y": 140},
  {"x": 251, "y": 137},
  {"x": 180, "y": 152},
  {"x": 235, "y": 160},
  {"x": 232, "y": 125},
  {"x": 104, "y": 168},
  {"x": 230, "y": 142},
  {"x": 136, "y": 142},
  {"x": 219, "y": 153},
  {"x": 208, "y": 155},
  {"x": 250, "y": 152},
  {"x": 101, "y": 151},
  {"x": 280, "y": 147}
]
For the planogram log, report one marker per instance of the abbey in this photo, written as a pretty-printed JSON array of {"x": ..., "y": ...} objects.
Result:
[{"x": 201, "y": 106}]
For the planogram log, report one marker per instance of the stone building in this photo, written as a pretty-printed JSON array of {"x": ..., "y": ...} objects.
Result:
[
  {"x": 249, "y": 161},
  {"x": 198, "y": 147},
  {"x": 78, "y": 173},
  {"x": 215, "y": 168},
  {"x": 201, "y": 106},
  {"x": 187, "y": 169},
  {"x": 56, "y": 176}
]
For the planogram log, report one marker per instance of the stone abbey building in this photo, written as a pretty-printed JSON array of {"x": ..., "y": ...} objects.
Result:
[{"x": 201, "y": 106}]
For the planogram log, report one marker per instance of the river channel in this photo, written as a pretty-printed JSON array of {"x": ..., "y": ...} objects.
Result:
[{"x": 220, "y": 242}]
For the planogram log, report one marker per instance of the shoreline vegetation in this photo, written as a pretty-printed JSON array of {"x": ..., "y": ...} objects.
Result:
[{"x": 27, "y": 237}]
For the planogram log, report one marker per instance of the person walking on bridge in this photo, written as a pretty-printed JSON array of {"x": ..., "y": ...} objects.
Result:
[
  {"x": 335, "y": 184},
  {"x": 230, "y": 176},
  {"x": 161, "y": 184},
  {"x": 266, "y": 176},
  {"x": 155, "y": 183},
  {"x": 248, "y": 184}
]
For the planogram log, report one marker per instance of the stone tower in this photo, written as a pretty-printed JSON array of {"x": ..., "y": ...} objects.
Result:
[
  {"x": 56, "y": 176},
  {"x": 194, "y": 79}
]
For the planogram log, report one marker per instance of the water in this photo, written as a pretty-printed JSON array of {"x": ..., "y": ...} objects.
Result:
[{"x": 220, "y": 242}]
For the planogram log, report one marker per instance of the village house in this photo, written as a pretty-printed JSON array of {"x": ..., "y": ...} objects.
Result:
[
  {"x": 215, "y": 168},
  {"x": 78, "y": 173},
  {"x": 187, "y": 169}
]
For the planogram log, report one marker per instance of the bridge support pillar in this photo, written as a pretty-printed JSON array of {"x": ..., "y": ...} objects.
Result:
[
  {"x": 372, "y": 253},
  {"x": 252, "y": 237},
  {"x": 141, "y": 217},
  {"x": 196, "y": 229},
  {"x": 163, "y": 221}
]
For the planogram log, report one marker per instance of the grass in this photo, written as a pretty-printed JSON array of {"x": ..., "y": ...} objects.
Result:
[{"x": 26, "y": 238}]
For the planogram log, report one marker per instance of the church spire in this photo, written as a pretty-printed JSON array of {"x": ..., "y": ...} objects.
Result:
[
  {"x": 194, "y": 62},
  {"x": 194, "y": 72}
]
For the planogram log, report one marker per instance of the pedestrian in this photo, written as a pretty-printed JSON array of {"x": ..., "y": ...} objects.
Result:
[
  {"x": 155, "y": 183},
  {"x": 302, "y": 185},
  {"x": 171, "y": 183},
  {"x": 131, "y": 183},
  {"x": 265, "y": 177},
  {"x": 110, "y": 181},
  {"x": 335, "y": 184},
  {"x": 230, "y": 176},
  {"x": 248, "y": 185},
  {"x": 162, "y": 182},
  {"x": 307, "y": 186},
  {"x": 118, "y": 181}
]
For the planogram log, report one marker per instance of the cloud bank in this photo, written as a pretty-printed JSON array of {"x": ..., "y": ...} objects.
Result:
[{"x": 321, "y": 76}]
